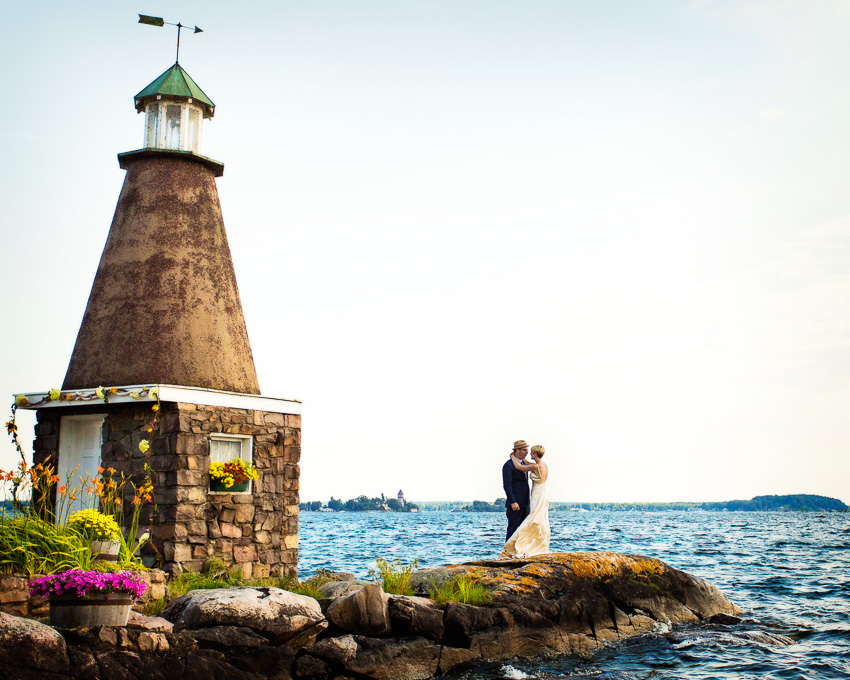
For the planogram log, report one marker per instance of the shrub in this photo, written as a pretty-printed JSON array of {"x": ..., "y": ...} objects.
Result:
[
  {"x": 395, "y": 576},
  {"x": 461, "y": 589}
]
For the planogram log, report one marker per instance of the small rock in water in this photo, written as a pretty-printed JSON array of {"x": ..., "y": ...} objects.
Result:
[{"x": 724, "y": 620}]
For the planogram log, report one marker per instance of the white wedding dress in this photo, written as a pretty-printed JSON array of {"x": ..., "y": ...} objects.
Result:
[{"x": 532, "y": 536}]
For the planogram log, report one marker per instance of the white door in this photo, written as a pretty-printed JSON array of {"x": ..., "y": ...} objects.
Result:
[{"x": 80, "y": 439}]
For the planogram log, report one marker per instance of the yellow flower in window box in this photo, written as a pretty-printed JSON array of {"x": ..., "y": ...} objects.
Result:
[{"x": 235, "y": 475}]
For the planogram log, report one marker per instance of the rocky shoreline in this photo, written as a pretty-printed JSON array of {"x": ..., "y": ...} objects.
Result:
[{"x": 563, "y": 603}]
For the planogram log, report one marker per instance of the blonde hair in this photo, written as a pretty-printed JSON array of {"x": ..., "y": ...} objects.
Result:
[{"x": 539, "y": 450}]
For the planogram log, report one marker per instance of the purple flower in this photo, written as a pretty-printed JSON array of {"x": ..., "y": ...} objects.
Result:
[{"x": 81, "y": 583}]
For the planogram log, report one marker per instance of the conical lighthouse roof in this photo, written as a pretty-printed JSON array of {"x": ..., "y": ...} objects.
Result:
[
  {"x": 164, "y": 307},
  {"x": 175, "y": 82}
]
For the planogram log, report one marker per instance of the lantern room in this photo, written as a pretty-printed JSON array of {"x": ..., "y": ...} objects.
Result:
[{"x": 174, "y": 108}]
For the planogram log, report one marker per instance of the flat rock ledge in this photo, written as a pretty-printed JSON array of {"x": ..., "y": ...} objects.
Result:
[{"x": 562, "y": 603}]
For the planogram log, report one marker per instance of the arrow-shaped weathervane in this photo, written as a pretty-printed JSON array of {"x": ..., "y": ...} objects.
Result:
[{"x": 159, "y": 21}]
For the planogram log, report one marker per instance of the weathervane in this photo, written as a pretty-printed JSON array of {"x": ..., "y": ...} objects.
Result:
[{"x": 159, "y": 21}]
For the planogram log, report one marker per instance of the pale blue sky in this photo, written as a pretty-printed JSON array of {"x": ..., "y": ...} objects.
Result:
[{"x": 618, "y": 229}]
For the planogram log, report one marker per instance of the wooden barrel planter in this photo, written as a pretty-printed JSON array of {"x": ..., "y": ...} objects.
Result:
[
  {"x": 95, "y": 609},
  {"x": 105, "y": 551}
]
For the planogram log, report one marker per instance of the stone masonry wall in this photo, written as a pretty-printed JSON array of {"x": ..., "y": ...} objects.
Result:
[{"x": 256, "y": 534}]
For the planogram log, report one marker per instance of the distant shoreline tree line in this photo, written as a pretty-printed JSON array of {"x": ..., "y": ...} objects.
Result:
[
  {"x": 787, "y": 503},
  {"x": 360, "y": 504}
]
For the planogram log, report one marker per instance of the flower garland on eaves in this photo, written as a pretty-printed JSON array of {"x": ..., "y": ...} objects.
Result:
[{"x": 100, "y": 393}]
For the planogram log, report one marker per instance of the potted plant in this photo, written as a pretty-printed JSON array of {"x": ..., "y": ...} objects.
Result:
[
  {"x": 101, "y": 530},
  {"x": 235, "y": 475},
  {"x": 89, "y": 598}
]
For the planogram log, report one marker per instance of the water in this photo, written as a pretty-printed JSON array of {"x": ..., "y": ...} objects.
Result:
[{"x": 790, "y": 572}]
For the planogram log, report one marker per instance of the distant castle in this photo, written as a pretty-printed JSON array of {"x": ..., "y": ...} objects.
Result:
[{"x": 401, "y": 498}]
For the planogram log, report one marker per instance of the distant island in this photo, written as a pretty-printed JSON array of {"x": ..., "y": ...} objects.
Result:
[
  {"x": 362, "y": 504},
  {"x": 788, "y": 503}
]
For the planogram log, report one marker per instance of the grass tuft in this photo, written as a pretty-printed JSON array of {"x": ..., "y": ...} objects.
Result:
[
  {"x": 461, "y": 589},
  {"x": 394, "y": 576}
]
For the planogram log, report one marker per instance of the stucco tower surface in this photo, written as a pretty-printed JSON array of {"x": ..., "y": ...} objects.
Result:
[
  {"x": 164, "y": 306},
  {"x": 255, "y": 533}
]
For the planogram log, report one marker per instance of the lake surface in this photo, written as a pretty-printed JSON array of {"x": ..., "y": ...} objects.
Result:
[{"x": 790, "y": 572}]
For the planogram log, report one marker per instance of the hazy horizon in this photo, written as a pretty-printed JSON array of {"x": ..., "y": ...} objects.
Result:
[{"x": 621, "y": 230}]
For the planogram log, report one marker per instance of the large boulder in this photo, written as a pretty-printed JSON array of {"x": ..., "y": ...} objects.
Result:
[
  {"x": 278, "y": 615},
  {"x": 365, "y": 611},
  {"x": 333, "y": 590},
  {"x": 382, "y": 659},
  {"x": 25, "y": 643},
  {"x": 415, "y": 616}
]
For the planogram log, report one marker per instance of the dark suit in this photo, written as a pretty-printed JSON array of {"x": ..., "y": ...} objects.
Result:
[{"x": 516, "y": 490}]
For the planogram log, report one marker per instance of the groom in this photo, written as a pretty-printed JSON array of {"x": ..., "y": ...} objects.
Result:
[{"x": 516, "y": 488}]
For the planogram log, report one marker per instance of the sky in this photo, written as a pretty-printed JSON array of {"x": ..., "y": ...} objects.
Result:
[{"x": 617, "y": 229}]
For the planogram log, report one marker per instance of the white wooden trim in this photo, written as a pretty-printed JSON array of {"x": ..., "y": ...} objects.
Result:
[{"x": 173, "y": 393}]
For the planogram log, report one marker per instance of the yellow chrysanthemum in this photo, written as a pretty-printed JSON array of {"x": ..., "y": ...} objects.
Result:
[{"x": 94, "y": 524}]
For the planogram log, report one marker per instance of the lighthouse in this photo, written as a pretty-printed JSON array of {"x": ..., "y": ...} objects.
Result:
[{"x": 164, "y": 326}]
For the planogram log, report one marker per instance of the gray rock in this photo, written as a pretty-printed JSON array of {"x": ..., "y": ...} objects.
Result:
[
  {"x": 25, "y": 643},
  {"x": 336, "y": 589},
  {"x": 310, "y": 667},
  {"x": 415, "y": 616},
  {"x": 327, "y": 575},
  {"x": 424, "y": 580},
  {"x": 278, "y": 615},
  {"x": 408, "y": 659},
  {"x": 724, "y": 620},
  {"x": 364, "y": 611},
  {"x": 339, "y": 650},
  {"x": 225, "y": 637},
  {"x": 152, "y": 623}
]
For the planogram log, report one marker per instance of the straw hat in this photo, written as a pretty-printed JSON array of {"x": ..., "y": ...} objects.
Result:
[{"x": 520, "y": 444}]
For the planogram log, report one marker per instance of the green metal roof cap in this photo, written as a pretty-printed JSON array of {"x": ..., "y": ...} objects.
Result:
[{"x": 175, "y": 82}]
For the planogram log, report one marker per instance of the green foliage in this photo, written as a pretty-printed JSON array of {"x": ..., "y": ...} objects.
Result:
[
  {"x": 213, "y": 566},
  {"x": 794, "y": 502},
  {"x": 30, "y": 545},
  {"x": 308, "y": 588},
  {"x": 461, "y": 589},
  {"x": 113, "y": 567},
  {"x": 154, "y": 607},
  {"x": 361, "y": 504},
  {"x": 188, "y": 581},
  {"x": 395, "y": 576},
  {"x": 800, "y": 502}
]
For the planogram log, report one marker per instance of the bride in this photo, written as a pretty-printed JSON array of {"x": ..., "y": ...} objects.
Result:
[{"x": 532, "y": 536}]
